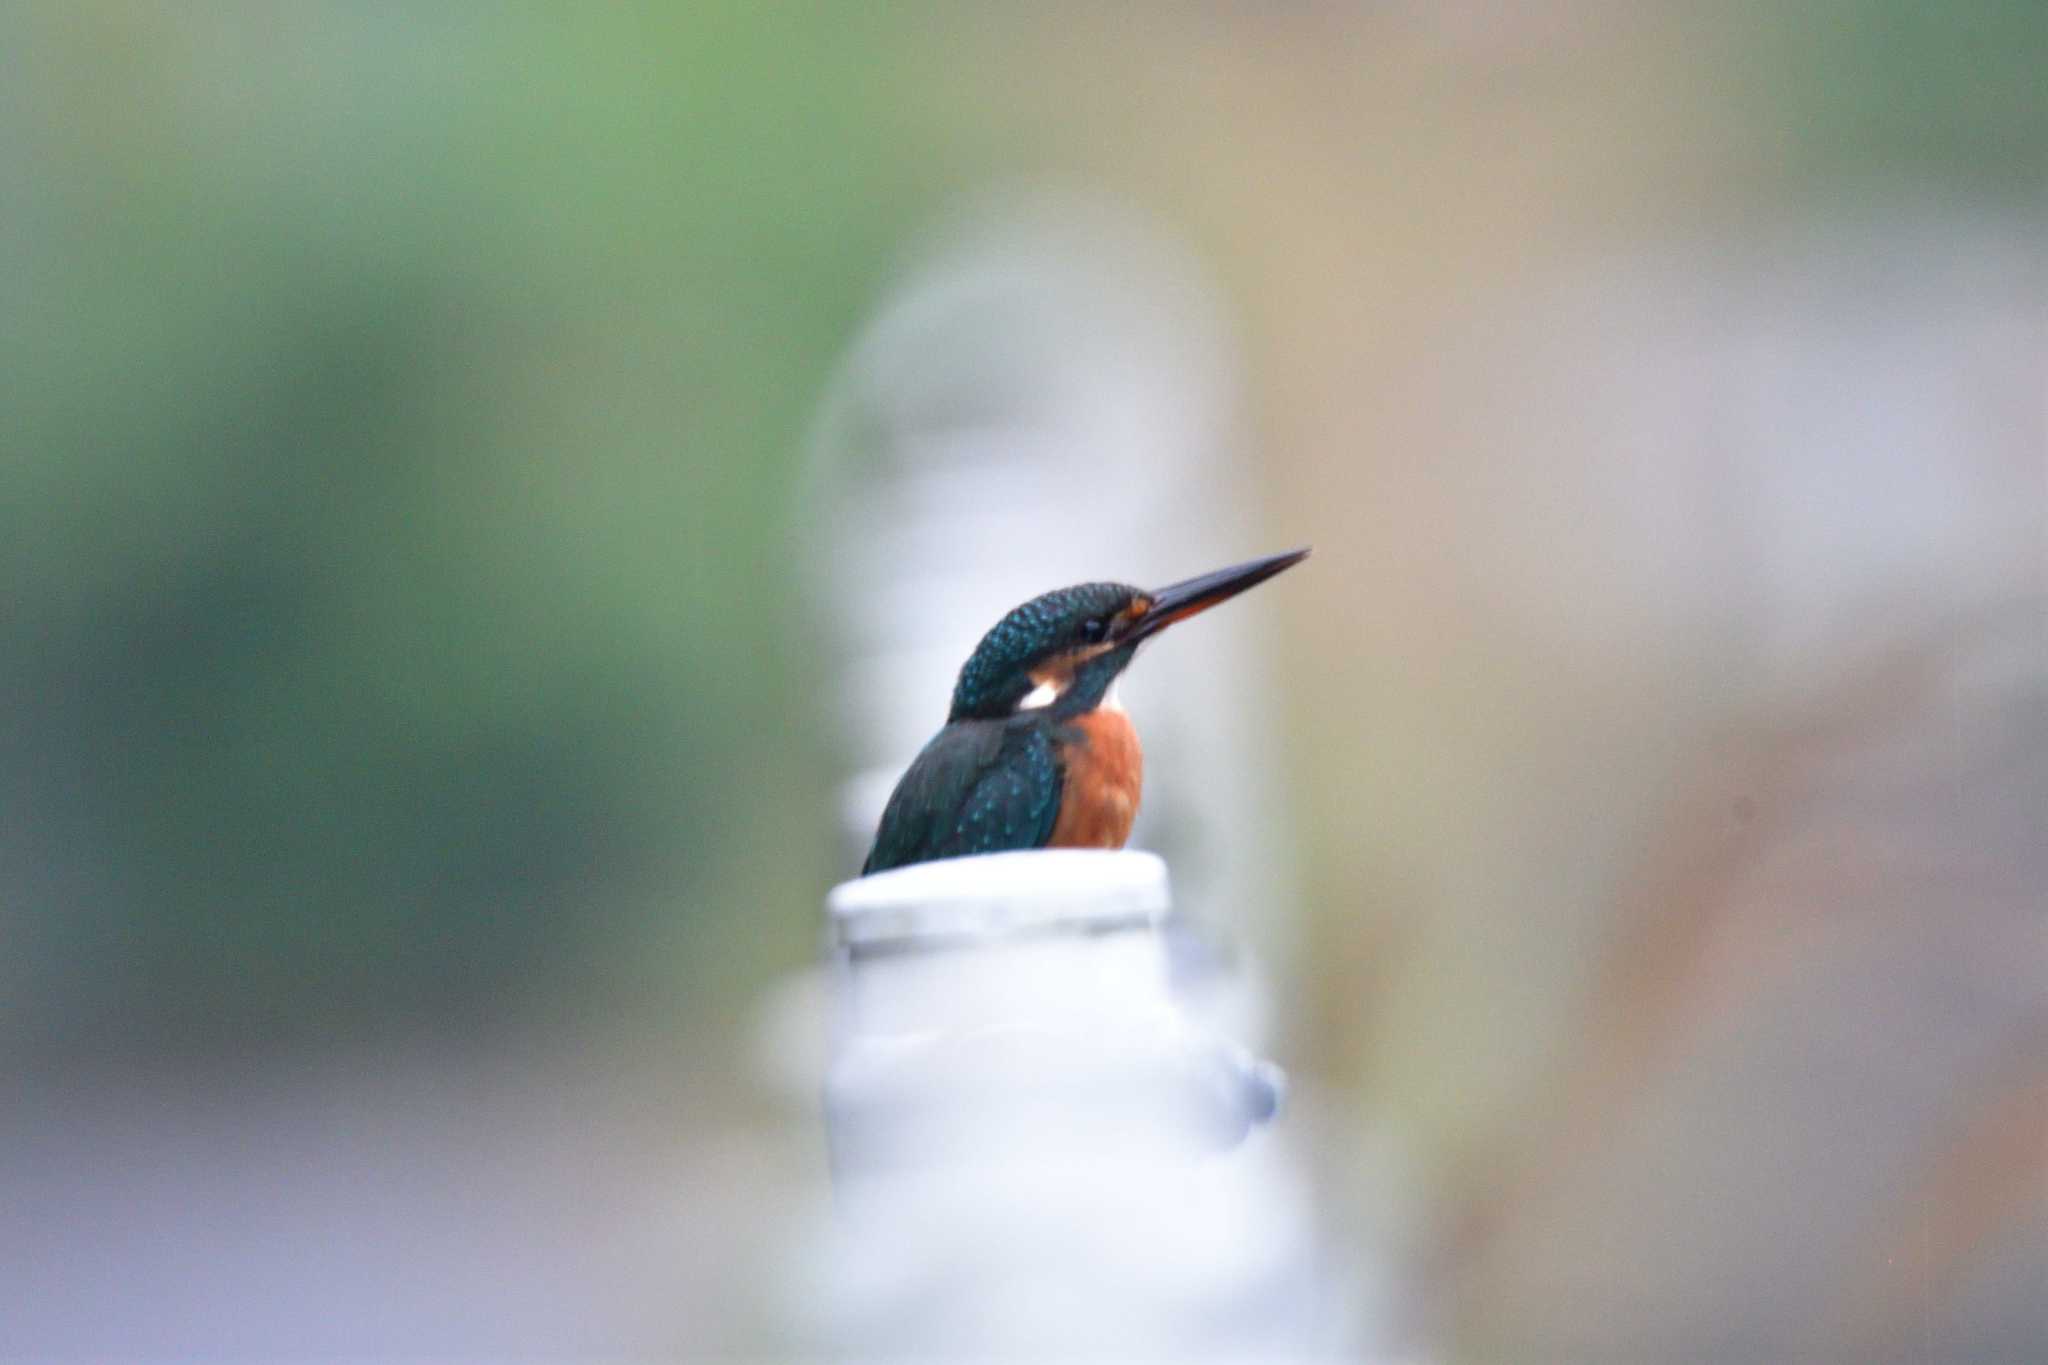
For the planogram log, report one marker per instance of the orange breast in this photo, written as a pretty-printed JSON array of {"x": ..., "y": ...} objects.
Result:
[{"x": 1105, "y": 771}]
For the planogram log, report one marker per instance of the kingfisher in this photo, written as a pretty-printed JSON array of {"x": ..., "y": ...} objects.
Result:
[{"x": 1036, "y": 751}]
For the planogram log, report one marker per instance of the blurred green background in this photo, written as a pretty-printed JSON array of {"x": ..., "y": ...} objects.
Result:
[{"x": 404, "y": 417}]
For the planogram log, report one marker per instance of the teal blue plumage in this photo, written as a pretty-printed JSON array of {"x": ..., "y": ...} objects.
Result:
[
  {"x": 991, "y": 780},
  {"x": 996, "y": 777},
  {"x": 995, "y": 676},
  {"x": 980, "y": 786}
]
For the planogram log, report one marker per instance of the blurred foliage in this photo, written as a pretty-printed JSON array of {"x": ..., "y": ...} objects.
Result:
[
  {"x": 402, "y": 414},
  {"x": 405, "y": 409},
  {"x": 1889, "y": 92}
]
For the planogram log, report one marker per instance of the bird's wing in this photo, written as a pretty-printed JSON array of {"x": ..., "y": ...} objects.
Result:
[{"x": 980, "y": 786}]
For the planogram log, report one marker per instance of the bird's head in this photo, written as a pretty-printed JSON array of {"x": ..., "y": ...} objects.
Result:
[{"x": 1064, "y": 649}]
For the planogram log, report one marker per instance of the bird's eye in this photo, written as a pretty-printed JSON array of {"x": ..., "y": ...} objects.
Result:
[{"x": 1093, "y": 629}]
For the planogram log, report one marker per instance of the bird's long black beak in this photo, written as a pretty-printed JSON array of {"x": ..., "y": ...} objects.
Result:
[{"x": 1194, "y": 595}]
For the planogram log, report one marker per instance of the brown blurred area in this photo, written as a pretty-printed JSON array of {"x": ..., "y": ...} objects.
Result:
[{"x": 1667, "y": 698}]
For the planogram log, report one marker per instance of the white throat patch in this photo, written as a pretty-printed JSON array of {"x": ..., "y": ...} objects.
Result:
[{"x": 1045, "y": 694}]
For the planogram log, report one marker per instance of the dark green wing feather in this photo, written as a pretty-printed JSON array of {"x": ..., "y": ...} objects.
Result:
[{"x": 980, "y": 786}]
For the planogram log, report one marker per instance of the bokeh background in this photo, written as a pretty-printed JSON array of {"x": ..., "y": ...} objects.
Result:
[{"x": 416, "y": 782}]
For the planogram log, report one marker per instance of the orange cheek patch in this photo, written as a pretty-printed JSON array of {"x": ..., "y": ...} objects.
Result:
[{"x": 1057, "y": 674}]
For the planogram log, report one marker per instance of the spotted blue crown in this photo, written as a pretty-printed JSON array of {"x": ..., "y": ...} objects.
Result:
[{"x": 998, "y": 674}]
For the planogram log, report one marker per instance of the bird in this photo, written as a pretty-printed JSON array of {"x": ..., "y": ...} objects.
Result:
[{"x": 1036, "y": 751}]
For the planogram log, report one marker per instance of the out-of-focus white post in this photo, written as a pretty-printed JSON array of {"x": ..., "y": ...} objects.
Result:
[{"x": 1035, "y": 1152}]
